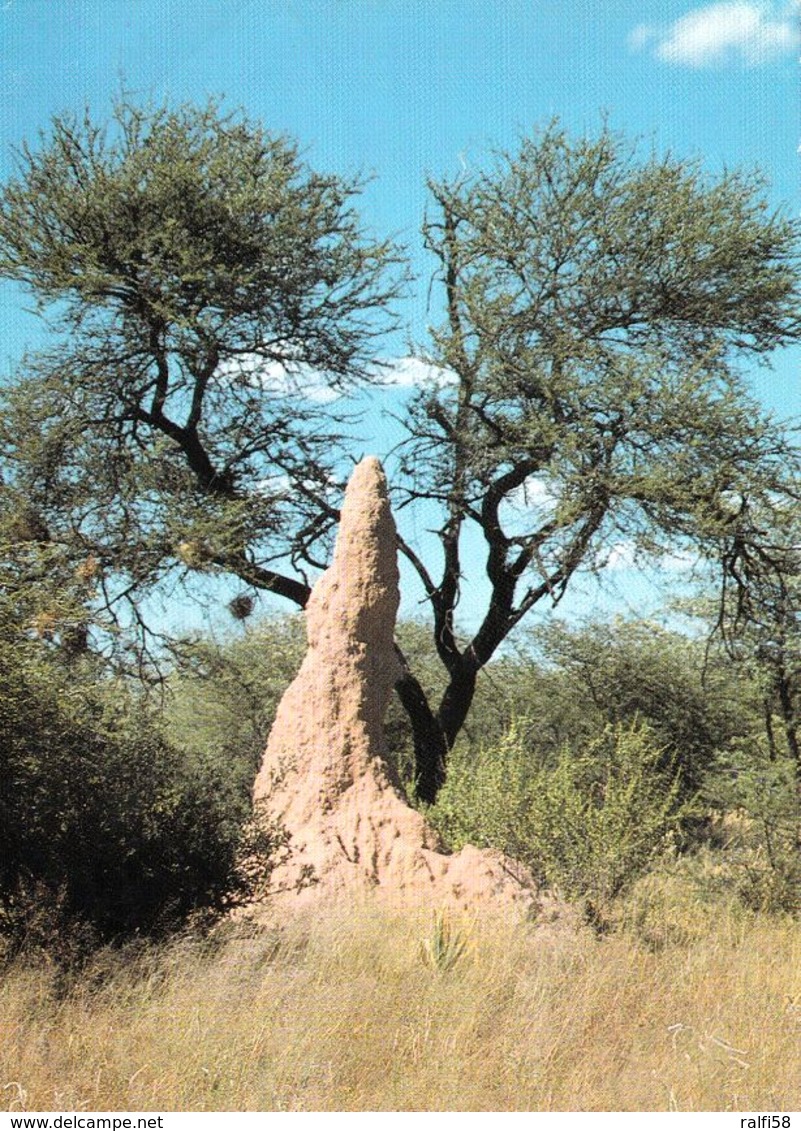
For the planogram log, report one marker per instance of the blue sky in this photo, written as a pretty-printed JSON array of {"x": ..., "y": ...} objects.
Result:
[{"x": 404, "y": 89}]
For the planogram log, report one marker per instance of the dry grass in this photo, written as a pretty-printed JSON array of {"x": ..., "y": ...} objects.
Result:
[{"x": 348, "y": 1016}]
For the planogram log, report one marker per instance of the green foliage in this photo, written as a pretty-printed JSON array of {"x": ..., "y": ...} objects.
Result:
[
  {"x": 762, "y": 846},
  {"x": 205, "y": 285},
  {"x": 565, "y": 683},
  {"x": 597, "y": 306},
  {"x": 760, "y": 614},
  {"x": 695, "y": 702},
  {"x": 222, "y": 695},
  {"x": 106, "y": 828},
  {"x": 587, "y": 823}
]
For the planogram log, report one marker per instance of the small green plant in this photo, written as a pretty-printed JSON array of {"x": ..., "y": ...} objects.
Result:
[{"x": 446, "y": 944}]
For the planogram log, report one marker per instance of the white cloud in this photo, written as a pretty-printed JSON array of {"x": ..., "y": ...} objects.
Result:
[
  {"x": 747, "y": 31},
  {"x": 626, "y": 555},
  {"x": 622, "y": 555},
  {"x": 534, "y": 494},
  {"x": 296, "y": 378},
  {"x": 290, "y": 378},
  {"x": 413, "y": 372},
  {"x": 641, "y": 36},
  {"x": 270, "y": 486},
  {"x": 284, "y": 486}
]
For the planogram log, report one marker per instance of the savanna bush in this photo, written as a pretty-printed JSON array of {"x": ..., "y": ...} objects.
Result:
[
  {"x": 222, "y": 695},
  {"x": 107, "y": 829},
  {"x": 760, "y": 847},
  {"x": 588, "y": 822}
]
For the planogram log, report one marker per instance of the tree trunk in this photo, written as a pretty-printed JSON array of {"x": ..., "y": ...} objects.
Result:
[
  {"x": 430, "y": 745},
  {"x": 790, "y": 723},
  {"x": 457, "y": 699},
  {"x": 434, "y": 735}
]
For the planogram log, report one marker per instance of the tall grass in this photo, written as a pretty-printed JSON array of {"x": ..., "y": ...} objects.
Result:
[{"x": 344, "y": 1014}]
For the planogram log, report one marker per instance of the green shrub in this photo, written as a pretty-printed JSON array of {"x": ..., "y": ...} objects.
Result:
[
  {"x": 762, "y": 845},
  {"x": 588, "y": 823},
  {"x": 620, "y": 671},
  {"x": 107, "y": 829},
  {"x": 222, "y": 695}
]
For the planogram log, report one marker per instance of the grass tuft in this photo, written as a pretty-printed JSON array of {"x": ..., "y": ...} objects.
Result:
[{"x": 444, "y": 945}]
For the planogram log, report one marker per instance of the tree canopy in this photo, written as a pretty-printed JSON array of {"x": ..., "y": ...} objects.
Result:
[
  {"x": 598, "y": 310},
  {"x": 195, "y": 272}
]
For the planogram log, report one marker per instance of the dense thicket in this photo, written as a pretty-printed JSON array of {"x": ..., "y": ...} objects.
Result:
[{"x": 108, "y": 828}]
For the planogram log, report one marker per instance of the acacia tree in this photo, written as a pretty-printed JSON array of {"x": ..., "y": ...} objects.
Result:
[
  {"x": 597, "y": 309},
  {"x": 197, "y": 275}
]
